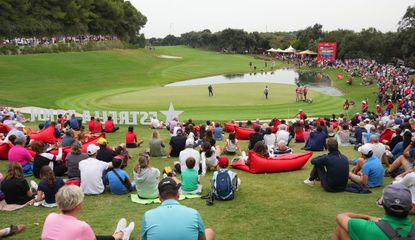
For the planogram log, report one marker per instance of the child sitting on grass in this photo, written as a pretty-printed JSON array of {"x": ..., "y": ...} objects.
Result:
[
  {"x": 48, "y": 187},
  {"x": 190, "y": 179},
  {"x": 224, "y": 182},
  {"x": 117, "y": 179},
  {"x": 146, "y": 178}
]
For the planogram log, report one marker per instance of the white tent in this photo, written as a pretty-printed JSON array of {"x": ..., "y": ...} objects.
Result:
[
  {"x": 279, "y": 50},
  {"x": 307, "y": 52},
  {"x": 289, "y": 50},
  {"x": 272, "y": 50}
]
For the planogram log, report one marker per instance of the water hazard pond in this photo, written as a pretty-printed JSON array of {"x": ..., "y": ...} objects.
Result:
[{"x": 316, "y": 81}]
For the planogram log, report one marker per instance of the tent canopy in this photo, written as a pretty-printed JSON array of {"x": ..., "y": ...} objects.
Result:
[
  {"x": 289, "y": 50},
  {"x": 272, "y": 50},
  {"x": 307, "y": 52}
]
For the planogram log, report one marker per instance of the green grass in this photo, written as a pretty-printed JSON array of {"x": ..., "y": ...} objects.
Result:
[{"x": 269, "y": 206}]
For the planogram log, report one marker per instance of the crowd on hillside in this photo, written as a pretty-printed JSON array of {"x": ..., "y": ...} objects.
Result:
[{"x": 33, "y": 41}]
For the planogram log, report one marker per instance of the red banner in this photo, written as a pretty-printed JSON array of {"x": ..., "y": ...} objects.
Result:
[{"x": 326, "y": 51}]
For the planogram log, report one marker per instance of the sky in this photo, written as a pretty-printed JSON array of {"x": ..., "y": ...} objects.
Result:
[{"x": 180, "y": 16}]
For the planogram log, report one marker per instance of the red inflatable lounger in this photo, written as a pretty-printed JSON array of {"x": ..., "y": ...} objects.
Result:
[
  {"x": 230, "y": 127},
  {"x": 4, "y": 150},
  {"x": 281, "y": 163},
  {"x": 46, "y": 135},
  {"x": 243, "y": 133}
]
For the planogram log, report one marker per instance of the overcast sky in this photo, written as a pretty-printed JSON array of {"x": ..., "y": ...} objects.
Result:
[{"x": 180, "y": 16}]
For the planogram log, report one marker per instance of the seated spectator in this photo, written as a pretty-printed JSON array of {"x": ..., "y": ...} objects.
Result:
[
  {"x": 372, "y": 169},
  {"x": 377, "y": 147},
  {"x": 332, "y": 169},
  {"x": 177, "y": 144},
  {"x": 18, "y": 132},
  {"x": 20, "y": 155},
  {"x": 117, "y": 179},
  {"x": 188, "y": 152},
  {"x": 92, "y": 171},
  {"x": 68, "y": 139},
  {"x": 20, "y": 117},
  {"x": 190, "y": 178},
  {"x": 162, "y": 222},
  {"x": 397, "y": 151},
  {"x": 218, "y": 132},
  {"x": 42, "y": 158},
  {"x": 269, "y": 138},
  {"x": 343, "y": 136},
  {"x": 260, "y": 149},
  {"x": 282, "y": 134},
  {"x": 97, "y": 126},
  {"x": 225, "y": 183},
  {"x": 208, "y": 155},
  {"x": 66, "y": 226},
  {"x": 405, "y": 160},
  {"x": 367, "y": 135},
  {"x": 48, "y": 187},
  {"x": 396, "y": 138},
  {"x": 299, "y": 133},
  {"x": 109, "y": 125},
  {"x": 156, "y": 124},
  {"x": 106, "y": 153},
  {"x": 255, "y": 137},
  {"x": 146, "y": 178},
  {"x": 131, "y": 138},
  {"x": 396, "y": 203},
  {"x": 408, "y": 180},
  {"x": 73, "y": 122},
  {"x": 73, "y": 158},
  {"x": 156, "y": 145},
  {"x": 231, "y": 145},
  {"x": 317, "y": 140},
  {"x": 282, "y": 148},
  {"x": 15, "y": 187},
  {"x": 91, "y": 125}
]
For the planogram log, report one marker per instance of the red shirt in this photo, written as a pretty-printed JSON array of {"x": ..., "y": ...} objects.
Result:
[
  {"x": 390, "y": 105},
  {"x": 91, "y": 125},
  {"x": 98, "y": 127},
  {"x": 301, "y": 115},
  {"x": 130, "y": 137},
  {"x": 379, "y": 109},
  {"x": 109, "y": 125}
]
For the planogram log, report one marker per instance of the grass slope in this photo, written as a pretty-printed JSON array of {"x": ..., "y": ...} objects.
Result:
[{"x": 268, "y": 206}]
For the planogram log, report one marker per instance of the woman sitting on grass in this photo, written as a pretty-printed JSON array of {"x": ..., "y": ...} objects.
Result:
[
  {"x": 209, "y": 155},
  {"x": 48, "y": 187},
  {"x": 156, "y": 145},
  {"x": 146, "y": 178},
  {"x": 131, "y": 138},
  {"x": 231, "y": 145},
  {"x": 15, "y": 187},
  {"x": 43, "y": 158},
  {"x": 73, "y": 159}
]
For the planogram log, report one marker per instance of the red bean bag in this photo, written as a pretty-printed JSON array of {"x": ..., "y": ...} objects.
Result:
[
  {"x": 281, "y": 163},
  {"x": 230, "y": 127},
  {"x": 65, "y": 151},
  {"x": 46, "y": 135},
  {"x": 4, "y": 150},
  {"x": 386, "y": 135},
  {"x": 5, "y": 129},
  {"x": 91, "y": 141},
  {"x": 243, "y": 133}
]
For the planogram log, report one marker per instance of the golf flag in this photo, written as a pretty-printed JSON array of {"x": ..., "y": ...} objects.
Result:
[{"x": 340, "y": 76}]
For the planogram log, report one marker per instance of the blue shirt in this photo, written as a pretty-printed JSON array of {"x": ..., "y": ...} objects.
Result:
[
  {"x": 116, "y": 186},
  {"x": 359, "y": 133},
  {"x": 217, "y": 133},
  {"x": 316, "y": 141},
  {"x": 172, "y": 221},
  {"x": 367, "y": 136},
  {"x": 73, "y": 123},
  {"x": 374, "y": 170}
]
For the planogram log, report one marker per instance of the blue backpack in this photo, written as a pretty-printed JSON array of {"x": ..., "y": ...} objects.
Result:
[{"x": 223, "y": 186}]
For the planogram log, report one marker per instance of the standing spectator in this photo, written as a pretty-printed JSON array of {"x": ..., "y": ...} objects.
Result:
[
  {"x": 332, "y": 169},
  {"x": 210, "y": 89},
  {"x": 266, "y": 92},
  {"x": 162, "y": 222}
]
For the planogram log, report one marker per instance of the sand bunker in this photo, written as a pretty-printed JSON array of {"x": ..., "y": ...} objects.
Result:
[{"x": 169, "y": 57}]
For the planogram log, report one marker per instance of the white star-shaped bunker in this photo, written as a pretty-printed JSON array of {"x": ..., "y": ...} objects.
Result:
[{"x": 171, "y": 113}]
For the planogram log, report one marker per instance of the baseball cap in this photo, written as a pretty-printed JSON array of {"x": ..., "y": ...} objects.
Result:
[
  {"x": 397, "y": 198},
  {"x": 223, "y": 162},
  {"x": 190, "y": 142},
  {"x": 167, "y": 185},
  {"x": 365, "y": 149},
  {"x": 92, "y": 149},
  {"x": 19, "y": 125},
  {"x": 102, "y": 141}
]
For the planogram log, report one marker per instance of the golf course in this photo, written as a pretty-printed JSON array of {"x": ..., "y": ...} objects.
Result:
[{"x": 268, "y": 206}]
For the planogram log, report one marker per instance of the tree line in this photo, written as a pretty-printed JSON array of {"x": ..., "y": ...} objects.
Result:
[
  {"x": 48, "y": 18},
  {"x": 389, "y": 47}
]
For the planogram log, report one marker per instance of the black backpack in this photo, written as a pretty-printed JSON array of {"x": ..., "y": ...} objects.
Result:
[{"x": 392, "y": 233}]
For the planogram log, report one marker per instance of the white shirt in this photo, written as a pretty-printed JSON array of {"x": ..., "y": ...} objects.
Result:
[
  {"x": 91, "y": 175},
  {"x": 368, "y": 127},
  {"x": 155, "y": 123},
  {"x": 282, "y": 135},
  {"x": 269, "y": 139},
  {"x": 378, "y": 150},
  {"x": 190, "y": 152},
  {"x": 211, "y": 161}
]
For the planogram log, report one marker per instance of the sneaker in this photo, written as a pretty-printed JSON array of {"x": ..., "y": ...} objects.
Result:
[
  {"x": 127, "y": 231},
  {"x": 308, "y": 182},
  {"x": 33, "y": 184},
  {"x": 122, "y": 224}
]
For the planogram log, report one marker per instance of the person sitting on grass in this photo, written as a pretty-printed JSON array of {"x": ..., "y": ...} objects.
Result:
[
  {"x": 48, "y": 187},
  {"x": 255, "y": 137},
  {"x": 15, "y": 187},
  {"x": 231, "y": 145},
  {"x": 131, "y": 138},
  {"x": 190, "y": 178},
  {"x": 156, "y": 124},
  {"x": 109, "y": 126},
  {"x": 316, "y": 141},
  {"x": 405, "y": 161},
  {"x": 91, "y": 125},
  {"x": 73, "y": 158},
  {"x": 372, "y": 169},
  {"x": 282, "y": 148},
  {"x": 73, "y": 122},
  {"x": 172, "y": 219},
  {"x": 177, "y": 144},
  {"x": 225, "y": 183},
  {"x": 396, "y": 202},
  {"x": 146, "y": 178},
  {"x": 208, "y": 155},
  {"x": 21, "y": 155},
  {"x": 107, "y": 153},
  {"x": 66, "y": 226},
  {"x": 156, "y": 145},
  {"x": 282, "y": 134},
  {"x": 200, "y": 166},
  {"x": 343, "y": 136},
  {"x": 42, "y": 158},
  {"x": 97, "y": 126},
  {"x": 117, "y": 179},
  {"x": 68, "y": 139},
  {"x": 218, "y": 132},
  {"x": 332, "y": 169}
]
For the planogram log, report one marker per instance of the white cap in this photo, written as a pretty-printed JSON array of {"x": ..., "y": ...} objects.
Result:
[
  {"x": 19, "y": 125},
  {"x": 365, "y": 149},
  {"x": 190, "y": 142},
  {"x": 92, "y": 149}
]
